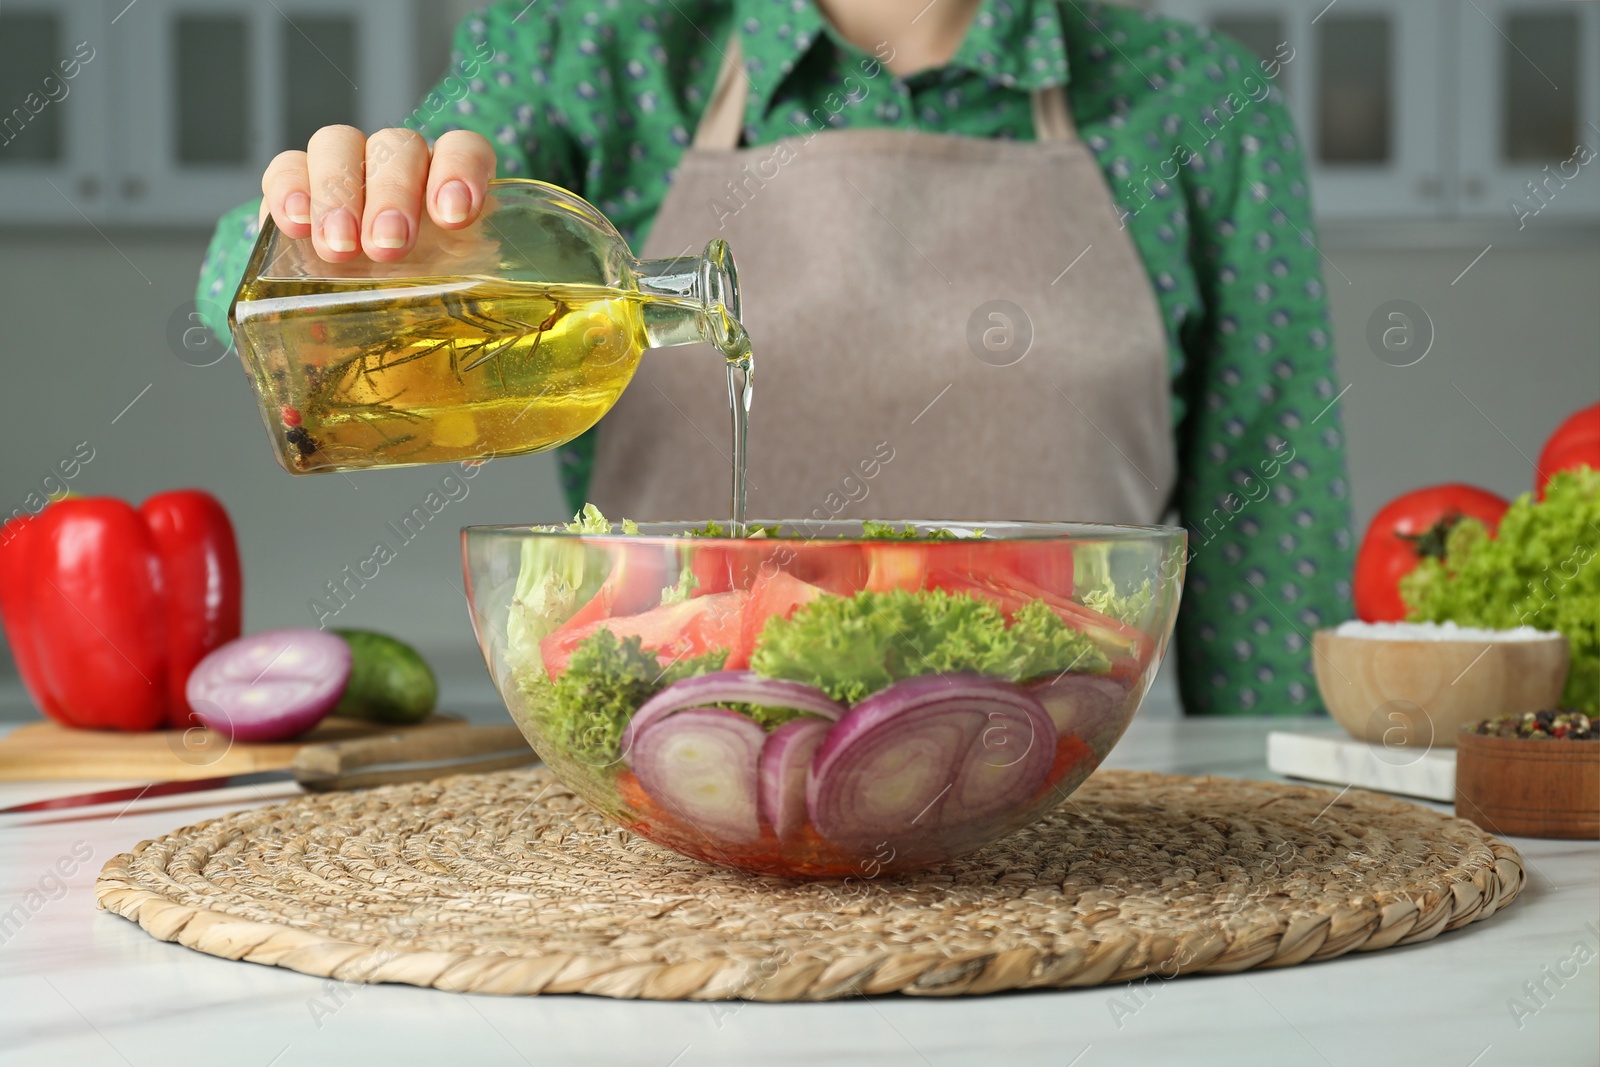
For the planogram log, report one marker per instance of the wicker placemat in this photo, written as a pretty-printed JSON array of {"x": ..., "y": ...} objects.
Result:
[{"x": 507, "y": 883}]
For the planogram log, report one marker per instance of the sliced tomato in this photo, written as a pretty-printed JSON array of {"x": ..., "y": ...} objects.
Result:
[
  {"x": 1118, "y": 639},
  {"x": 773, "y": 595},
  {"x": 1045, "y": 565},
  {"x": 672, "y": 631},
  {"x": 1127, "y": 667},
  {"x": 837, "y": 568},
  {"x": 896, "y": 566},
  {"x": 719, "y": 569},
  {"x": 1072, "y": 754},
  {"x": 1128, "y": 646},
  {"x": 840, "y": 569},
  {"x": 713, "y": 569},
  {"x": 638, "y": 574}
]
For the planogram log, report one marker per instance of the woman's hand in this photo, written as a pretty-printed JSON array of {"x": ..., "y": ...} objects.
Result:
[{"x": 351, "y": 193}]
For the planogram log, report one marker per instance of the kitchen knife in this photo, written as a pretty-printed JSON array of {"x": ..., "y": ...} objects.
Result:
[{"x": 397, "y": 757}]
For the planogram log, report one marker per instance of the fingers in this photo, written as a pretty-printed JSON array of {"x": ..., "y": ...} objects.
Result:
[
  {"x": 458, "y": 180},
  {"x": 397, "y": 174},
  {"x": 350, "y": 193},
  {"x": 335, "y": 163},
  {"x": 285, "y": 194}
]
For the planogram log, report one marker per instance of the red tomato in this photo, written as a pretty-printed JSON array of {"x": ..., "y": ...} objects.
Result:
[
  {"x": 837, "y": 568},
  {"x": 673, "y": 631},
  {"x": 1046, "y": 564},
  {"x": 1576, "y": 443},
  {"x": 896, "y": 566},
  {"x": 774, "y": 594},
  {"x": 840, "y": 569},
  {"x": 1041, "y": 565},
  {"x": 1409, "y": 528},
  {"x": 1072, "y": 753},
  {"x": 713, "y": 569},
  {"x": 846, "y": 569},
  {"x": 638, "y": 574}
]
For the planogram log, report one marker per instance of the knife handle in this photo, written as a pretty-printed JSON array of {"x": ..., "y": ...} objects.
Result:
[{"x": 412, "y": 756}]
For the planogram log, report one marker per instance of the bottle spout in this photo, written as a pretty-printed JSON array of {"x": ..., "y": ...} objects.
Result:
[{"x": 697, "y": 300}]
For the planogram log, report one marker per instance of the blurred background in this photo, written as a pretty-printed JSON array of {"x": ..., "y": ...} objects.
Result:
[{"x": 1452, "y": 146}]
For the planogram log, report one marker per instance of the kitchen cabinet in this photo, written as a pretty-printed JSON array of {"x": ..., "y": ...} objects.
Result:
[
  {"x": 1434, "y": 109},
  {"x": 55, "y": 86},
  {"x": 1530, "y": 82},
  {"x": 184, "y": 102}
]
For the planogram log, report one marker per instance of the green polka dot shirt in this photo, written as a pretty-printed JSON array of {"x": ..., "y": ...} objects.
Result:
[{"x": 1197, "y": 148}]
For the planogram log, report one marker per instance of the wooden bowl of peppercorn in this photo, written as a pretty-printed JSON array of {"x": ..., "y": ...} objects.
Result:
[{"x": 1531, "y": 775}]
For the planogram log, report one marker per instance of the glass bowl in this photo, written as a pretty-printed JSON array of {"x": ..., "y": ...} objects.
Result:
[{"x": 812, "y": 702}]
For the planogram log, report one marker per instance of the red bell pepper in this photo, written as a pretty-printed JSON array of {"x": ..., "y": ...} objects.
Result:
[{"x": 107, "y": 609}]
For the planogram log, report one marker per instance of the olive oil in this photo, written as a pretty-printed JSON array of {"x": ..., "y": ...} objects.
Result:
[
  {"x": 741, "y": 390},
  {"x": 462, "y": 368},
  {"x": 437, "y": 370},
  {"x": 513, "y": 334}
]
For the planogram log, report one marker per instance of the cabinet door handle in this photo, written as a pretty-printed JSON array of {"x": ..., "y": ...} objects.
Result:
[
  {"x": 89, "y": 187},
  {"x": 132, "y": 188}
]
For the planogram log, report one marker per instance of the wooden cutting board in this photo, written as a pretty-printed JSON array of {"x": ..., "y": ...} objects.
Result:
[{"x": 45, "y": 750}]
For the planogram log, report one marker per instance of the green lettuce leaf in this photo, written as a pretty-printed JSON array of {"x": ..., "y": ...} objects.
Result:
[
  {"x": 883, "y": 531},
  {"x": 1538, "y": 570},
  {"x": 1093, "y": 578},
  {"x": 555, "y": 578},
  {"x": 850, "y": 647},
  {"x": 683, "y": 589},
  {"x": 716, "y": 529},
  {"x": 585, "y": 710}
]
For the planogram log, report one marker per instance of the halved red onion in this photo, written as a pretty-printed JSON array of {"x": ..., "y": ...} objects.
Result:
[
  {"x": 785, "y": 759},
  {"x": 928, "y": 761},
  {"x": 728, "y": 687},
  {"x": 270, "y": 686},
  {"x": 1093, "y": 706},
  {"x": 702, "y": 766}
]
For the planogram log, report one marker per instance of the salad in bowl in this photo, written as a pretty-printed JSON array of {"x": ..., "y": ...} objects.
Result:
[{"x": 823, "y": 699}]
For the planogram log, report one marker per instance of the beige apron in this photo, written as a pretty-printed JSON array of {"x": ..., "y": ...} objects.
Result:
[{"x": 944, "y": 328}]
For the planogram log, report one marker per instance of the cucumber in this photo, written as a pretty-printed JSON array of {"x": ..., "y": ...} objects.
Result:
[{"x": 389, "y": 680}]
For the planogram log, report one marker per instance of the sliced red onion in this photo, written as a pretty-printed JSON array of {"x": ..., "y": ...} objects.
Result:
[
  {"x": 702, "y": 766},
  {"x": 270, "y": 686},
  {"x": 1093, "y": 706},
  {"x": 927, "y": 761},
  {"x": 728, "y": 687},
  {"x": 785, "y": 759}
]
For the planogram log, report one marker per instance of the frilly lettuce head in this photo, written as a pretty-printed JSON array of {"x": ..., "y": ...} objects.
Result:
[{"x": 1538, "y": 570}]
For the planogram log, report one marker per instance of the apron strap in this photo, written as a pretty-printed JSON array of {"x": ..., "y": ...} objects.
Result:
[
  {"x": 1052, "y": 118},
  {"x": 723, "y": 122}
]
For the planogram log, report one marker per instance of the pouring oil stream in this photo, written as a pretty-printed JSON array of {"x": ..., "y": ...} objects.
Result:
[{"x": 741, "y": 387}]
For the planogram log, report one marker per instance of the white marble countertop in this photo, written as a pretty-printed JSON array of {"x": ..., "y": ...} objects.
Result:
[{"x": 79, "y": 986}]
